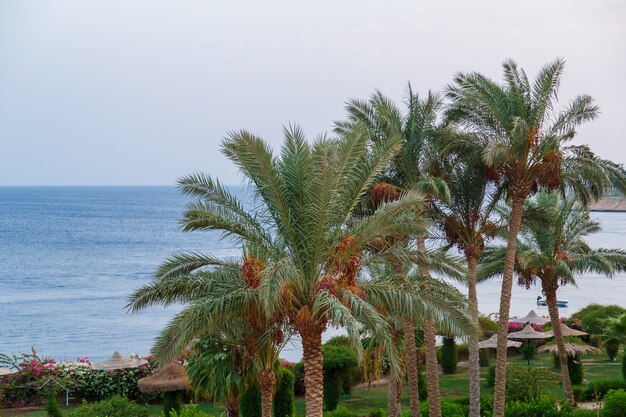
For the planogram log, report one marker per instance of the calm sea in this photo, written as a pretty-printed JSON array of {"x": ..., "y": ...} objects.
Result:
[{"x": 70, "y": 256}]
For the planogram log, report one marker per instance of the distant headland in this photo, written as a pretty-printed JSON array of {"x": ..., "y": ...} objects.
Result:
[{"x": 609, "y": 204}]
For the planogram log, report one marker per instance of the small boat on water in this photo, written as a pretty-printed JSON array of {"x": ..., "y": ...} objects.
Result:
[{"x": 542, "y": 302}]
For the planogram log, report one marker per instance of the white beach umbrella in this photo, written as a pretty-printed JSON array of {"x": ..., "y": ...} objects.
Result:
[
  {"x": 528, "y": 334},
  {"x": 531, "y": 318},
  {"x": 492, "y": 343},
  {"x": 118, "y": 362}
]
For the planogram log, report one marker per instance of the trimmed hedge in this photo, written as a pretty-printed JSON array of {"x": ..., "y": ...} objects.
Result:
[
  {"x": 449, "y": 356},
  {"x": 284, "y": 398},
  {"x": 614, "y": 404},
  {"x": 596, "y": 390},
  {"x": 575, "y": 370},
  {"x": 117, "y": 406},
  {"x": 250, "y": 403}
]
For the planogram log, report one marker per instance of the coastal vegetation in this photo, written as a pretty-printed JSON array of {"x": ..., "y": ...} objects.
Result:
[{"x": 364, "y": 230}]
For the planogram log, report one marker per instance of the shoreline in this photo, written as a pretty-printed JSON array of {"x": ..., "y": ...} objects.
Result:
[{"x": 609, "y": 204}]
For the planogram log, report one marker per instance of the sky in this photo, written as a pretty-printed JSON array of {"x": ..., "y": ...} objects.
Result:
[{"x": 117, "y": 92}]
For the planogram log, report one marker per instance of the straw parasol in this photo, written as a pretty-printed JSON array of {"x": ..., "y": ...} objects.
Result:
[
  {"x": 528, "y": 334},
  {"x": 492, "y": 343},
  {"x": 118, "y": 362},
  {"x": 5, "y": 371},
  {"x": 568, "y": 331},
  {"x": 572, "y": 349},
  {"x": 532, "y": 318},
  {"x": 171, "y": 378}
]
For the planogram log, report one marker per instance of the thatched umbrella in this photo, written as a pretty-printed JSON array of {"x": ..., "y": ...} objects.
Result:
[
  {"x": 118, "y": 362},
  {"x": 5, "y": 371},
  {"x": 171, "y": 380},
  {"x": 528, "y": 334},
  {"x": 568, "y": 331},
  {"x": 492, "y": 343},
  {"x": 532, "y": 318},
  {"x": 571, "y": 349}
]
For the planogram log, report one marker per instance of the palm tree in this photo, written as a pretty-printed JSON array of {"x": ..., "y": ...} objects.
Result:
[
  {"x": 615, "y": 334},
  {"x": 524, "y": 139},
  {"x": 465, "y": 222},
  {"x": 409, "y": 171},
  {"x": 552, "y": 255},
  {"x": 300, "y": 219}
]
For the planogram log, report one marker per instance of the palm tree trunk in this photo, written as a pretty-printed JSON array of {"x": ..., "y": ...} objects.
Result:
[
  {"x": 232, "y": 407},
  {"x": 505, "y": 305},
  {"x": 430, "y": 344},
  {"x": 410, "y": 351},
  {"x": 267, "y": 379},
  {"x": 474, "y": 366},
  {"x": 313, "y": 371},
  {"x": 394, "y": 393},
  {"x": 553, "y": 308}
]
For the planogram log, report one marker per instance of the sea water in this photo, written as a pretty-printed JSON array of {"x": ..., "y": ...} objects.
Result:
[{"x": 70, "y": 257}]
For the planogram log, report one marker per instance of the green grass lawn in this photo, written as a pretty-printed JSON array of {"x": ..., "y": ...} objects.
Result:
[{"x": 364, "y": 401}]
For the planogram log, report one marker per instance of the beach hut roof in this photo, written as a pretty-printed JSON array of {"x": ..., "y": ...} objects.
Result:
[
  {"x": 532, "y": 317},
  {"x": 118, "y": 361},
  {"x": 572, "y": 349},
  {"x": 528, "y": 333},
  {"x": 171, "y": 378},
  {"x": 492, "y": 343}
]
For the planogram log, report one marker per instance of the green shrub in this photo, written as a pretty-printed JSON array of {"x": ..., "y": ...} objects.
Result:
[
  {"x": 53, "y": 408},
  {"x": 528, "y": 350},
  {"x": 524, "y": 384},
  {"x": 575, "y": 369},
  {"x": 340, "y": 360},
  {"x": 298, "y": 378},
  {"x": 593, "y": 317},
  {"x": 624, "y": 365},
  {"x": 579, "y": 412},
  {"x": 578, "y": 393},
  {"x": 462, "y": 350},
  {"x": 172, "y": 401},
  {"x": 283, "y": 399},
  {"x": 250, "y": 402},
  {"x": 377, "y": 413},
  {"x": 491, "y": 376},
  {"x": 612, "y": 347},
  {"x": 484, "y": 358},
  {"x": 614, "y": 404},
  {"x": 449, "y": 356},
  {"x": 540, "y": 406},
  {"x": 341, "y": 411},
  {"x": 116, "y": 406},
  {"x": 422, "y": 387},
  {"x": 488, "y": 327},
  {"x": 188, "y": 412},
  {"x": 448, "y": 409},
  {"x": 596, "y": 390}
]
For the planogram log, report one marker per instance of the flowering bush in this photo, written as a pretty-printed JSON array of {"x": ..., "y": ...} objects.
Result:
[
  {"x": 21, "y": 389},
  {"x": 515, "y": 326}
]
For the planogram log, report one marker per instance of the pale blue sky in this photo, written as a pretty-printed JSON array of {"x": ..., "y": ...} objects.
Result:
[{"x": 141, "y": 92}]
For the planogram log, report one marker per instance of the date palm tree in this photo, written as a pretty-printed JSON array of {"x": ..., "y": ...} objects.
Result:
[
  {"x": 465, "y": 220},
  {"x": 300, "y": 219},
  {"x": 551, "y": 255},
  {"x": 525, "y": 145},
  {"x": 414, "y": 128}
]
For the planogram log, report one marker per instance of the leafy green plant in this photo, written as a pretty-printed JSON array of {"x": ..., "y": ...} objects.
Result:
[
  {"x": 114, "y": 407},
  {"x": 341, "y": 411},
  {"x": 449, "y": 355},
  {"x": 284, "y": 397},
  {"x": 524, "y": 384},
  {"x": 172, "y": 401},
  {"x": 614, "y": 404},
  {"x": 484, "y": 357},
  {"x": 53, "y": 408},
  {"x": 612, "y": 348},
  {"x": 251, "y": 402},
  {"x": 593, "y": 317},
  {"x": 575, "y": 369},
  {"x": 540, "y": 406},
  {"x": 448, "y": 409},
  {"x": 596, "y": 390},
  {"x": 187, "y": 412},
  {"x": 339, "y": 361}
]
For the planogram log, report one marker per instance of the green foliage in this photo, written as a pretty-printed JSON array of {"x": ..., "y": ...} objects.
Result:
[
  {"x": 523, "y": 384},
  {"x": 188, "y": 412},
  {"x": 488, "y": 327},
  {"x": 422, "y": 387},
  {"x": 614, "y": 404},
  {"x": 448, "y": 409},
  {"x": 53, "y": 408},
  {"x": 596, "y": 390},
  {"x": 116, "y": 406},
  {"x": 449, "y": 355},
  {"x": 575, "y": 369},
  {"x": 377, "y": 413},
  {"x": 541, "y": 406},
  {"x": 298, "y": 374},
  {"x": 491, "y": 376},
  {"x": 612, "y": 348},
  {"x": 250, "y": 403},
  {"x": 462, "y": 351},
  {"x": 339, "y": 362},
  {"x": 172, "y": 401},
  {"x": 578, "y": 393},
  {"x": 284, "y": 398},
  {"x": 529, "y": 350},
  {"x": 593, "y": 317},
  {"x": 624, "y": 365},
  {"x": 484, "y": 357},
  {"x": 341, "y": 411}
]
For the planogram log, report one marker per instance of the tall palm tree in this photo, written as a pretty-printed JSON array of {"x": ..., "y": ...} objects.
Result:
[
  {"x": 414, "y": 129},
  {"x": 524, "y": 138},
  {"x": 552, "y": 255},
  {"x": 465, "y": 220},
  {"x": 301, "y": 220}
]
